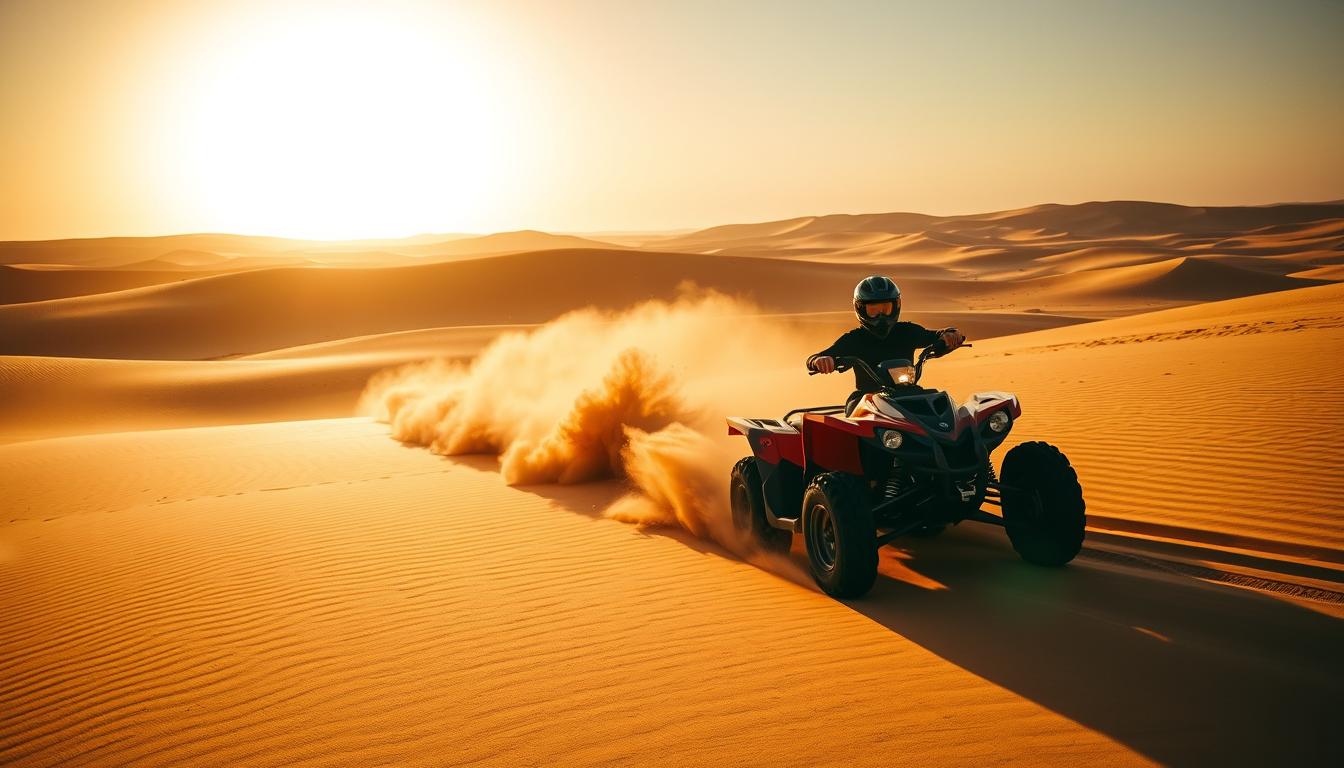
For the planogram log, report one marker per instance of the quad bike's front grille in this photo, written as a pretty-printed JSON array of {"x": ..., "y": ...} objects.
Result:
[
  {"x": 961, "y": 453},
  {"x": 938, "y": 405}
]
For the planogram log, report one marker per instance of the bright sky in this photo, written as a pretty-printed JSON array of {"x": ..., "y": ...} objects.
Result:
[{"x": 323, "y": 118}]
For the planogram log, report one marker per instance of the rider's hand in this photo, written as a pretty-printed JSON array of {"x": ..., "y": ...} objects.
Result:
[
  {"x": 952, "y": 338},
  {"x": 823, "y": 364}
]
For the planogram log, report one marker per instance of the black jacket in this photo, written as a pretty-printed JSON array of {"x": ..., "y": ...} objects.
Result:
[{"x": 900, "y": 343}]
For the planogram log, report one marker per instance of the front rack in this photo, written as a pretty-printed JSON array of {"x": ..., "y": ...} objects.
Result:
[{"x": 815, "y": 409}]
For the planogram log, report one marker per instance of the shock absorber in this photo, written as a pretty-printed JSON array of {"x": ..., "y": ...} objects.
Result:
[{"x": 895, "y": 480}]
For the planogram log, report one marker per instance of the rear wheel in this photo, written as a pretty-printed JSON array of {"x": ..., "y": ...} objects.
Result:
[
  {"x": 841, "y": 539},
  {"x": 748, "y": 509},
  {"x": 1043, "y": 507}
]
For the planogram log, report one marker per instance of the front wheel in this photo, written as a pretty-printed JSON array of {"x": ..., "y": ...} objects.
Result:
[
  {"x": 841, "y": 540},
  {"x": 1043, "y": 507}
]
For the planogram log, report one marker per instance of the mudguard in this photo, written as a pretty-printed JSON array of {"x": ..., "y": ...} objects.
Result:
[
  {"x": 778, "y": 448},
  {"x": 771, "y": 440}
]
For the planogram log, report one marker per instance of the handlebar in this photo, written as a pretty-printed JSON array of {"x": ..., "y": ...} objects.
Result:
[{"x": 846, "y": 362}]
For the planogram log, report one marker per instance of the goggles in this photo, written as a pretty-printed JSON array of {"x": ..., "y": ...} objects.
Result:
[{"x": 879, "y": 308}]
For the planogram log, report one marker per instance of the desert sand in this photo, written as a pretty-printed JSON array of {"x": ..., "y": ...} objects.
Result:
[{"x": 273, "y": 502}]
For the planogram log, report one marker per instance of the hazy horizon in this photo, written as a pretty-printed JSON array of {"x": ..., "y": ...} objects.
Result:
[{"x": 651, "y": 232}]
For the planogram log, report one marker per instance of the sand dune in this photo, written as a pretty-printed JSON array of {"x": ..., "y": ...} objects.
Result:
[
  {"x": 1333, "y": 272},
  {"x": 187, "y": 259},
  {"x": 816, "y": 327},
  {"x": 19, "y": 285},
  {"x": 1308, "y": 232},
  {"x": 1135, "y": 218},
  {"x": 208, "y": 253},
  {"x": 1185, "y": 279},
  {"x": 1097, "y": 259},
  {"x": 1215, "y": 417},
  {"x": 1100, "y": 218},
  {"x": 46, "y": 396},
  {"x": 1182, "y": 381},
  {"x": 276, "y": 594},
  {"x": 227, "y": 575},
  {"x": 1310, "y": 307},
  {"x": 261, "y": 310},
  {"x": 503, "y": 242},
  {"x": 1167, "y": 415},
  {"x": 107, "y": 252},
  {"x": 1011, "y": 241},
  {"x": 52, "y": 396}
]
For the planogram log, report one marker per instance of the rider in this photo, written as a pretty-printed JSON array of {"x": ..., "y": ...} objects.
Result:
[{"x": 877, "y": 302}]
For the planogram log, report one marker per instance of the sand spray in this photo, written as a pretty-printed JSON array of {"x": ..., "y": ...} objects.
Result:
[{"x": 638, "y": 394}]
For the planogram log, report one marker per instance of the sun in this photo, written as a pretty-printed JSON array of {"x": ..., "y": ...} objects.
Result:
[{"x": 336, "y": 120}]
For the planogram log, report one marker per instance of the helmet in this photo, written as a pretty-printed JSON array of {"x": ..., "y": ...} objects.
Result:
[{"x": 877, "y": 290}]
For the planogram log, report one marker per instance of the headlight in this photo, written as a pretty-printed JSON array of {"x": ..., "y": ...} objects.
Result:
[
  {"x": 892, "y": 439},
  {"x": 999, "y": 421},
  {"x": 905, "y": 375}
]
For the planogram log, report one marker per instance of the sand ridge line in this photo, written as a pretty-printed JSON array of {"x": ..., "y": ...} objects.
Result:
[
  {"x": 1233, "y": 329},
  {"x": 358, "y": 481}
]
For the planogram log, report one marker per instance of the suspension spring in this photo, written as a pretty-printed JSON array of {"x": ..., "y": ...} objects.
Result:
[{"x": 895, "y": 481}]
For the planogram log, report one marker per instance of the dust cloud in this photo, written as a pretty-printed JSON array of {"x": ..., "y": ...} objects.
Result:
[{"x": 639, "y": 394}]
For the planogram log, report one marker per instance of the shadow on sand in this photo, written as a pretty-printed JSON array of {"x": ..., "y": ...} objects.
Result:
[
  {"x": 1184, "y": 672},
  {"x": 1181, "y": 671}
]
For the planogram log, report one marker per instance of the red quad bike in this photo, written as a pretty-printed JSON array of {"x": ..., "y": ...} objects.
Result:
[{"x": 907, "y": 461}]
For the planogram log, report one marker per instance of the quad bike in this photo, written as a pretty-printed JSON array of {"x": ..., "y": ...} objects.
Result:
[{"x": 906, "y": 461}]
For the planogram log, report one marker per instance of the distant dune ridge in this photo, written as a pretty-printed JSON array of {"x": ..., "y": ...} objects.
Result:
[
  {"x": 208, "y": 557},
  {"x": 127, "y": 297},
  {"x": 209, "y": 251},
  {"x": 1148, "y": 229},
  {"x": 280, "y": 331}
]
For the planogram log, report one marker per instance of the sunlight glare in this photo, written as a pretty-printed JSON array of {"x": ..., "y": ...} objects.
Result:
[{"x": 339, "y": 121}]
